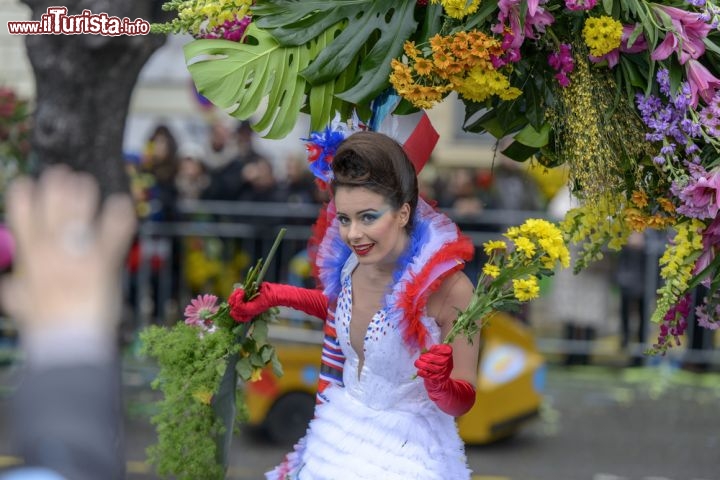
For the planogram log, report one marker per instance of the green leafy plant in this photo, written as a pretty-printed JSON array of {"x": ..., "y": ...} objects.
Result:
[
  {"x": 374, "y": 31},
  {"x": 200, "y": 365},
  {"x": 239, "y": 76}
]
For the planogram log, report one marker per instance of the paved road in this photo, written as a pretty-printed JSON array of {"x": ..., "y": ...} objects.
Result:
[{"x": 648, "y": 423}]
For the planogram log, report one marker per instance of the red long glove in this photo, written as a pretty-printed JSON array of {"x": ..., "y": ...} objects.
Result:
[
  {"x": 312, "y": 302},
  {"x": 453, "y": 397}
]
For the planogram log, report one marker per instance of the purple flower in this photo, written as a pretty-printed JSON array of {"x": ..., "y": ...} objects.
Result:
[
  {"x": 714, "y": 105},
  {"x": 200, "y": 310},
  {"x": 671, "y": 123},
  {"x": 663, "y": 78},
  {"x": 701, "y": 81},
  {"x": 673, "y": 325}
]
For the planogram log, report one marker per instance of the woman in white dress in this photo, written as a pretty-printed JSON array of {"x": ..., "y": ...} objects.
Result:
[{"x": 390, "y": 268}]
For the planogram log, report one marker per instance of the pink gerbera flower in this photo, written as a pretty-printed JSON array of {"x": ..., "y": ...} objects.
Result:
[{"x": 200, "y": 310}]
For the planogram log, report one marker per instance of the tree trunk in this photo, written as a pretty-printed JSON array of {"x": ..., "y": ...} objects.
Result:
[{"x": 83, "y": 85}]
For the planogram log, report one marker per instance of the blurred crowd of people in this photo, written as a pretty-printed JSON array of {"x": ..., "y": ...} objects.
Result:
[{"x": 226, "y": 167}]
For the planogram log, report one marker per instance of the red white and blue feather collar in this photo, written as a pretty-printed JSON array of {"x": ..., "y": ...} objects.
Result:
[{"x": 436, "y": 250}]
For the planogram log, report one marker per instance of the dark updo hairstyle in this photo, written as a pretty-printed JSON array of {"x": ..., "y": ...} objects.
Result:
[{"x": 378, "y": 163}]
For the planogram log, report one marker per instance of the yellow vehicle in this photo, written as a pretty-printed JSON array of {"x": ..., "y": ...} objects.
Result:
[{"x": 509, "y": 393}]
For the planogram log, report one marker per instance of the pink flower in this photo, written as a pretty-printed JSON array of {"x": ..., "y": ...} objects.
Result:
[
  {"x": 580, "y": 4},
  {"x": 513, "y": 32},
  {"x": 711, "y": 245},
  {"x": 706, "y": 316},
  {"x": 687, "y": 35},
  {"x": 532, "y": 6},
  {"x": 613, "y": 57},
  {"x": 200, "y": 310},
  {"x": 701, "y": 197},
  {"x": 701, "y": 82},
  {"x": 7, "y": 248},
  {"x": 562, "y": 62}
]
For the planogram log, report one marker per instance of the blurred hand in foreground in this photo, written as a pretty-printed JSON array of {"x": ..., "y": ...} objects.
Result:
[{"x": 70, "y": 251}]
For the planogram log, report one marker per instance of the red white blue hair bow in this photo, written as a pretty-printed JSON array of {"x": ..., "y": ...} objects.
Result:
[{"x": 414, "y": 132}]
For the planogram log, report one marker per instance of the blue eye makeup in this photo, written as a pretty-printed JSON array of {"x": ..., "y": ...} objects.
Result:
[
  {"x": 366, "y": 218},
  {"x": 371, "y": 217}
]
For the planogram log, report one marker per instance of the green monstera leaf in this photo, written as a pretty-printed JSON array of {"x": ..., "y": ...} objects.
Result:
[
  {"x": 237, "y": 77},
  {"x": 374, "y": 30}
]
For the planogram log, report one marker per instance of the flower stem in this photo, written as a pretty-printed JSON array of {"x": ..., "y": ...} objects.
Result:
[{"x": 270, "y": 255}]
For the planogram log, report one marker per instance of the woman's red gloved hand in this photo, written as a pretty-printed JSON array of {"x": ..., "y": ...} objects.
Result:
[
  {"x": 312, "y": 302},
  {"x": 454, "y": 397}
]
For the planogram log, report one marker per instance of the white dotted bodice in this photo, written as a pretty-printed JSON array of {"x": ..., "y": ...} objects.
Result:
[{"x": 387, "y": 376}]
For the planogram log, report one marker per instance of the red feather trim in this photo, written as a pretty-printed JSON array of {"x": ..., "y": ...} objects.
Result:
[
  {"x": 319, "y": 229},
  {"x": 414, "y": 297}
]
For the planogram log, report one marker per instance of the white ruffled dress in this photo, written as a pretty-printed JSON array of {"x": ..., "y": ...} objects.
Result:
[{"x": 381, "y": 425}]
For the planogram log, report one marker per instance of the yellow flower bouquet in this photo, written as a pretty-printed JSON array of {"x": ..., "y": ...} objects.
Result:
[{"x": 512, "y": 273}]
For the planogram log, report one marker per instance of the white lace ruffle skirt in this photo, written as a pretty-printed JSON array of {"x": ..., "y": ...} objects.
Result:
[{"x": 348, "y": 440}]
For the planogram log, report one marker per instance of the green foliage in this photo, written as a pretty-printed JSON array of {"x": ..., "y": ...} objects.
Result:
[
  {"x": 191, "y": 364},
  {"x": 373, "y": 30},
  {"x": 237, "y": 77},
  {"x": 199, "y": 371}
]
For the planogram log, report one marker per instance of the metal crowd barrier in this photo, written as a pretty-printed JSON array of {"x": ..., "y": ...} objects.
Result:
[{"x": 251, "y": 227}]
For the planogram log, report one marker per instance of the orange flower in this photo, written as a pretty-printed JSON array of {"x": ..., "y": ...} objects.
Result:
[
  {"x": 666, "y": 205},
  {"x": 441, "y": 60},
  {"x": 454, "y": 67},
  {"x": 461, "y": 36},
  {"x": 423, "y": 66},
  {"x": 635, "y": 219},
  {"x": 475, "y": 36},
  {"x": 411, "y": 50},
  {"x": 639, "y": 198},
  {"x": 438, "y": 43},
  {"x": 460, "y": 50}
]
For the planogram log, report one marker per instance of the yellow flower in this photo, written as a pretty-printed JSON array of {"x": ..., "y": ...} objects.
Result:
[
  {"x": 491, "y": 270},
  {"x": 602, "y": 35},
  {"x": 526, "y": 288},
  {"x": 493, "y": 245},
  {"x": 510, "y": 93},
  {"x": 526, "y": 246},
  {"x": 203, "y": 397},
  {"x": 256, "y": 375},
  {"x": 457, "y": 8}
]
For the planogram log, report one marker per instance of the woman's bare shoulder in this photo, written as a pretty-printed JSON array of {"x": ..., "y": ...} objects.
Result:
[{"x": 453, "y": 294}]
